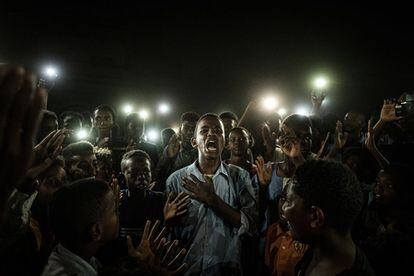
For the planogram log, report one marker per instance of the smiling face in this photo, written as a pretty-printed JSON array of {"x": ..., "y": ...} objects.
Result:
[{"x": 209, "y": 137}]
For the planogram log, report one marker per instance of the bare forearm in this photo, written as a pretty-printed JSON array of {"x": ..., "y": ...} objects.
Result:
[
  {"x": 223, "y": 210},
  {"x": 378, "y": 127},
  {"x": 382, "y": 161}
]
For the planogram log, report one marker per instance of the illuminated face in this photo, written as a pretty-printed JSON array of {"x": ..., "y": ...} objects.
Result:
[
  {"x": 210, "y": 138},
  {"x": 304, "y": 133},
  {"x": 238, "y": 142},
  {"x": 187, "y": 133},
  {"x": 103, "y": 119},
  {"x": 297, "y": 215},
  {"x": 138, "y": 174},
  {"x": 72, "y": 123},
  {"x": 82, "y": 166}
]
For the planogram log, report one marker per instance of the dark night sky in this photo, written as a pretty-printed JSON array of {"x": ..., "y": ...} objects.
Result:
[{"x": 212, "y": 58}]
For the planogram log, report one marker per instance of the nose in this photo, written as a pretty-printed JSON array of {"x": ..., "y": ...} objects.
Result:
[{"x": 210, "y": 132}]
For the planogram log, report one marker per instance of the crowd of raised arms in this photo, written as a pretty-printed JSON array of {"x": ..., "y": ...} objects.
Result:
[{"x": 255, "y": 194}]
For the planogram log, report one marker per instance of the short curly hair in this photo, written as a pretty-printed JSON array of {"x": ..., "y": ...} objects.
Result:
[
  {"x": 332, "y": 187},
  {"x": 138, "y": 154}
]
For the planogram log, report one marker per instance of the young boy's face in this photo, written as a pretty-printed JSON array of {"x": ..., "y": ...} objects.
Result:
[
  {"x": 238, "y": 142},
  {"x": 138, "y": 174}
]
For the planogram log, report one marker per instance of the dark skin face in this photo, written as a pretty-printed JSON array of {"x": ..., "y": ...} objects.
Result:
[
  {"x": 103, "y": 120},
  {"x": 82, "y": 166},
  {"x": 209, "y": 138},
  {"x": 138, "y": 174},
  {"x": 297, "y": 215},
  {"x": 134, "y": 128},
  {"x": 72, "y": 123},
  {"x": 304, "y": 133},
  {"x": 186, "y": 133},
  {"x": 229, "y": 124},
  {"x": 238, "y": 142},
  {"x": 385, "y": 192}
]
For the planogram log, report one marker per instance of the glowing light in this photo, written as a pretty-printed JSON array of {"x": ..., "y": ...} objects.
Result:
[
  {"x": 302, "y": 110},
  {"x": 320, "y": 83},
  {"x": 282, "y": 111},
  {"x": 164, "y": 108},
  {"x": 269, "y": 103},
  {"x": 82, "y": 134},
  {"x": 176, "y": 128},
  {"x": 128, "y": 109},
  {"x": 50, "y": 72},
  {"x": 144, "y": 114},
  {"x": 153, "y": 135}
]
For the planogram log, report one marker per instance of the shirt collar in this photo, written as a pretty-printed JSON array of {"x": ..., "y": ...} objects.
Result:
[{"x": 222, "y": 169}]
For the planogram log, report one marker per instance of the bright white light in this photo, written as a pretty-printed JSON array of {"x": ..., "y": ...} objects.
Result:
[
  {"x": 176, "y": 128},
  {"x": 320, "y": 82},
  {"x": 51, "y": 72},
  {"x": 163, "y": 108},
  {"x": 269, "y": 103},
  {"x": 128, "y": 109},
  {"x": 153, "y": 135},
  {"x": 282, "y": 111},
  {"x": 82, "y": 134},
  {"x": 144, "y": 114},
  {"x": 302, "y": 110}
]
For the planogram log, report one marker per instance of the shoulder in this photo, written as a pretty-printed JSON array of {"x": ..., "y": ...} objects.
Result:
[
  {"x": 238, "y": 174},
  {"x": 175, "y": 178}
]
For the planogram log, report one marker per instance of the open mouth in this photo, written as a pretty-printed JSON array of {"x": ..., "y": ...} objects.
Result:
[{"x": 211, "y": 146}]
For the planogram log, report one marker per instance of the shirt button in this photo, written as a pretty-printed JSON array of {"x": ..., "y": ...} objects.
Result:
[{"x": 283, "y": 247}]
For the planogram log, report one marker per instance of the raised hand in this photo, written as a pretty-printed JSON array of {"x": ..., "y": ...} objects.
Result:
[
  {"x": 19, "y": 118},
  {"x": 264, "y": 172},
  {"x": 290, "y": 143},
  {"x": 200, "y": 190},
  {"x": 340, "y": 136},
  {"x": 323, "y": 145},
  {"x": 173, "y": 146},
  {"x": 149, "y": 243},
  {"x": 176, "y": 207},
  {"x": 369, "y": 139},
  {"x": 164, "y": 256},
  {"x": 388, "y": 111}
]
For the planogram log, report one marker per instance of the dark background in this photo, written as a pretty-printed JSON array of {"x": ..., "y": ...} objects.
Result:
[{"x": 212, "y": 57}]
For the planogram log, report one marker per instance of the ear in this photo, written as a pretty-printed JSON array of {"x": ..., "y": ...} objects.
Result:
[
  {"x": 194, "y": 142},
  {"x": 317, "y": 217},
  {"x": 95, "y": 232}
]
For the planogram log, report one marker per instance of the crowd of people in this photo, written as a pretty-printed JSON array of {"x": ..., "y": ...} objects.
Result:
[{"x": 258, "y": 194}]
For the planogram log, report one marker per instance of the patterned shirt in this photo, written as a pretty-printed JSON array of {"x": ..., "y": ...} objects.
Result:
[{"x": 213, "y": 244}]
